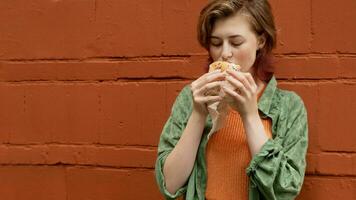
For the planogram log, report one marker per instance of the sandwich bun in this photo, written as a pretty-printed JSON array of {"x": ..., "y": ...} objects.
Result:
[{"x": 222, "y": 66}]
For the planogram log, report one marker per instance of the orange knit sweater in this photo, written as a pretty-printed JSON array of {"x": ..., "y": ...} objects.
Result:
[{"x": 227, "y": 157}]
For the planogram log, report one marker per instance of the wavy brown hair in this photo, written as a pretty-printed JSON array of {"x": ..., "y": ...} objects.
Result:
[{"x": 259, "y": 13}]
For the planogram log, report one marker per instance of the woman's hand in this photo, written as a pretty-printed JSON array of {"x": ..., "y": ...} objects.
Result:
[
  {"x": 200, "y": 88},
  {"x": 245, "y": 93}
]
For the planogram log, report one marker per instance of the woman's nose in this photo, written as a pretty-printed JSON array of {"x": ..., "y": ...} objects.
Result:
[{"x": 226, "y": 53}]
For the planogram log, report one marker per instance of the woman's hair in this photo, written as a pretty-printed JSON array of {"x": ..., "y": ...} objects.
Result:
[{"x": 260, "y": 16}]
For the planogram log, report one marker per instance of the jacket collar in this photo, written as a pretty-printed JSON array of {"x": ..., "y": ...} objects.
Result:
[{"x": 265, "y": 102}]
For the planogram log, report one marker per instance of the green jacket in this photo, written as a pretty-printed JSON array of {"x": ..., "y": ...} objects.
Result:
[{"x": 276, "y": 172}]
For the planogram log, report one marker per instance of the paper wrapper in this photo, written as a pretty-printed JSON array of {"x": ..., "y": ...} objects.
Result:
[{"x": 219, "y": 110}]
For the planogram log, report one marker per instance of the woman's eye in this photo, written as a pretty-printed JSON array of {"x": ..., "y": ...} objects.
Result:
[
  {"x": 215, "y": 44},
  {"x": 218, "y": 44},
  {"x": 236, "y": 44}
]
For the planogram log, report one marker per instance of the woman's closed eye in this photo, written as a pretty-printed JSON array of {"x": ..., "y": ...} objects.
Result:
[
  {"x": 216, "y": 44},
  {"x": 234, "y": 44}
]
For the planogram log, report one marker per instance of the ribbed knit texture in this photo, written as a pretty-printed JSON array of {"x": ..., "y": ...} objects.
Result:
[{"x": 227, "y": 157}]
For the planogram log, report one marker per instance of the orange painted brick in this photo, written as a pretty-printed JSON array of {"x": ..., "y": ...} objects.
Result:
[
  {"x": 293, "y": 21},
  {"x": 132, "y": 113},
  {"x": 92, "y": 155},
  {"x": 21, "y": 155},
  {"x": 78, "y": 121},
  {"x": 312, "y": 164},
  {"x": 191, "y": 67},
  {"x": 179, "y": 27},
  {"x": 126, "y": 28},
  {"x": 46, "y": 29},
  {"x": 328, "y": 188},
  {"x": 335, "y": 164},
  {"x": 167, "y": 67},
  {"x": 111, "y": 184},
  {"x": 334, "y": 26},
  {"x": 79, "y": 29},
  {"x": 67, "y": 154},
  {"x": 50, "y": 113},
  {"x": 337, "y": 105},
  {"x": 348, "y": 67},
  {"x": 307, "y": 67},
  {"x": 126, "y": 157},
  {"x": 12, "y": 111},
  {"x": 32, "y": 183},
  {"x": 63, "y": 113}
]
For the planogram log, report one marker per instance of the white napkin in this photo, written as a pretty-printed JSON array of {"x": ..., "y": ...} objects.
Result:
[{"x": 219, "y": 110}]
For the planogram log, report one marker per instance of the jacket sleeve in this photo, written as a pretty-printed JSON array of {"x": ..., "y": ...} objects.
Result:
[
  {"x": 170, "y": 135},
  {"x": 278, "y": 169}
]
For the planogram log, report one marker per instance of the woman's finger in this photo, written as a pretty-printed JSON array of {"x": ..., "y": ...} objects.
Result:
[
  {"x": 207, "y": 78},
  {"x": 251, "y": 81},
  {"x": 205, "y": 100},
  {"x": 241, "y": 77},
  {"x": 203, "y": 90},
  {"x": 237, "y": 84},
  {"x": 233, "y": 94}
]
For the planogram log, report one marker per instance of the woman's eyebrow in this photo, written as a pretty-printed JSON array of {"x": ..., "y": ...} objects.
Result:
[{"x": 235, "y": 36}]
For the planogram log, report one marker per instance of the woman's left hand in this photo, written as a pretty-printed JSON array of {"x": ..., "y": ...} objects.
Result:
[{"x": 245, "y": 93}]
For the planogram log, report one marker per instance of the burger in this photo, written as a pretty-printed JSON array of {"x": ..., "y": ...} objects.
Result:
[{"x": 222, "y": 66}]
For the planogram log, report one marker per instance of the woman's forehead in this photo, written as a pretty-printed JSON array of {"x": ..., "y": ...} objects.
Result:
[{"x": 236, "y": 25}]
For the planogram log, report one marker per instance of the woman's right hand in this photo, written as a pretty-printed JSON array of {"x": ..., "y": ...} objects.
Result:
[{"x": 200, "y": 88}]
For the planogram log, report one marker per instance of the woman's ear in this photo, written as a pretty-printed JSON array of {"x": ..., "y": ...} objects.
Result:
[{"x": 261, "y": 41}]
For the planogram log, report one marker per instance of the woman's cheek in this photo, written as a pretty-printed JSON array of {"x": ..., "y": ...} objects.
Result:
[
  {"x": 214, "y": 53},
  {"x": 245, "y": 59}
]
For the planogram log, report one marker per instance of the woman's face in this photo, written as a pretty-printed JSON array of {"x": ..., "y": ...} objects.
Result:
[{"x": 233, "y": 40}]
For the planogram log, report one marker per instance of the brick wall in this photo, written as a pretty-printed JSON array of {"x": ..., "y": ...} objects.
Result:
[{"x": 86, "y": 86}]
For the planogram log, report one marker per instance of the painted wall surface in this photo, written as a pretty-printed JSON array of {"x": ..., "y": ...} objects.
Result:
[{"x": 86, "y": 86}]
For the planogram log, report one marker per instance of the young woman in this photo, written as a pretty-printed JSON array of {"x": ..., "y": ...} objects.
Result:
[{"x": 260, "y": 152}]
